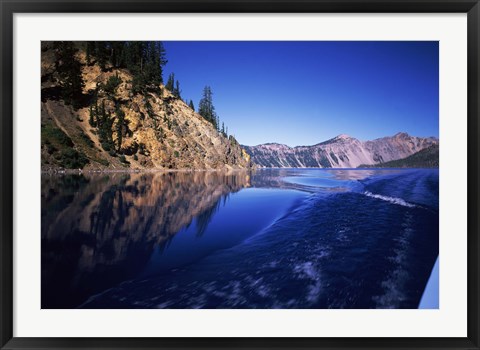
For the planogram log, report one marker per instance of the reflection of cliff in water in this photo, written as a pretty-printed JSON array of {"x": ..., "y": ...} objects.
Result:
[{"x": 109, "y": 225}]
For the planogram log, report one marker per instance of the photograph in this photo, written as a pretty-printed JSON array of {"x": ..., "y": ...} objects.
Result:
[{"x": 240, "y": 174}]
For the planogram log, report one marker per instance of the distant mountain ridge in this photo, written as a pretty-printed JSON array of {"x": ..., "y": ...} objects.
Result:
[
  {"x": 342, "y": 151},
  {"x": 426, "y": 158}
]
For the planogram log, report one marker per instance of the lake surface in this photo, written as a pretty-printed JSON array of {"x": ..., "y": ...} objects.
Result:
[{"x": 273, "y": 238}]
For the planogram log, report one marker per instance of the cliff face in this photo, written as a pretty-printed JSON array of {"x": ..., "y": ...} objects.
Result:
[
  {"x": 154, "y": 129},
  {"x": 342, "y": 151}
]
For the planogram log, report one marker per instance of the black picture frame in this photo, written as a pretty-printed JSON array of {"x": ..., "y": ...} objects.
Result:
[{"x": 10, "y": 7}]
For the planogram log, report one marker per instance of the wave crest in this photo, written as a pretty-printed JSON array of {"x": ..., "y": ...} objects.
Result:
[{"x": 393, "y": 200}]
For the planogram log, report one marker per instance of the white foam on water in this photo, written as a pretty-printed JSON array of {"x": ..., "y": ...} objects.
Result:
[
  {"x": 393, "y": 200},
  {"x": 309, "y": 271},
  {"x": 394, "y": 285}
]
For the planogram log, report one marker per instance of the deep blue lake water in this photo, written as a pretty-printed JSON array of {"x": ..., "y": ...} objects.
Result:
[{"x": 273, "y": 238}]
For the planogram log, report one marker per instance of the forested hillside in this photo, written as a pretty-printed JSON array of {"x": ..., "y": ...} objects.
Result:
[{"x": 105, "y": 106}]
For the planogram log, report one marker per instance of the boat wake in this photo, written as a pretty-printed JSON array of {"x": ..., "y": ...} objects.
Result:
[
  {"x": 392, "y": 200},
  {"x": 330, "y": 249}
]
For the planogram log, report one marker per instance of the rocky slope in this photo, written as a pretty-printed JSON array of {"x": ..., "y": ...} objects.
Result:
[
  {"x": 426, "y": 158},
  {"x": 153, "y": 130},
  {"x": 342, "y": 151}
]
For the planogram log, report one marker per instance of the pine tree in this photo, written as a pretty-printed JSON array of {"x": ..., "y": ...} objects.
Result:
[
  {"x": 101, "y": 53},
  {"x": 176, "y": 90},
  {"x": 206, "y": 108},
  {"x": 102, "y": 110},
  {"x": 104, "y": 123},
  {"x": 152, "y": 70},
  {"x": 144, "y": 59},
  {"x": 119, "y": 126},
  {"x": 116, "y": 53},
  {"x": 112, "y": 84},
  {"x": 159, "y": 61},
  {"x": 131, "y": 56},
  {"x": 190, "y": 104},
  {"x": 91, "y": 119},
  {"x": 90, "y": 51},
  {"x": 136, "y": 66},
  {"x": 170, "y": 82},
  {"x": 70, "y": 71}
]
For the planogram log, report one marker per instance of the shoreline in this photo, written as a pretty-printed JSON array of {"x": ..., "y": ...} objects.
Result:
[
  {"x": 135, "y": 171},
  {"x": 228, "y": 170}
]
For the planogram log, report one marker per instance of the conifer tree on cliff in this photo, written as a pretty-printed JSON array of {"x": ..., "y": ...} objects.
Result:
[
  {"x": 206, "y": 108},
  {"x": 170, "y": 82},
  {"x": 90, "y": 51},
  {"x": 154, "y": 62},
  {"x": 119, "y": 126},
  {"x": 70, "y": 71},
  {"x": 176, "y": 90},
  {"x": 145, "y": 60},
  {"x": 101, "y": 53}
]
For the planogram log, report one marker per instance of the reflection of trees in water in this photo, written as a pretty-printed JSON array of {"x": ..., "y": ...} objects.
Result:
[
  {"x": 59, "y": 193},
  {"x": 203, "y": 220},
  {"x": 106, "y": 226}
]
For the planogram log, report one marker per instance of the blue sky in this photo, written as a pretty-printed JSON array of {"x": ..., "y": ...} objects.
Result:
[{"x": 305, "y": 92}]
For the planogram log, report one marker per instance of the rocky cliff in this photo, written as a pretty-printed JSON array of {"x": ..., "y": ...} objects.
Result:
[
  {"x": 109, "y": 126},
  {"x": 342, "y": 151}
]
